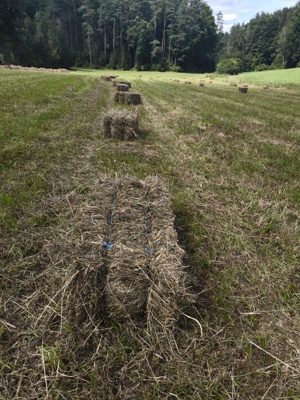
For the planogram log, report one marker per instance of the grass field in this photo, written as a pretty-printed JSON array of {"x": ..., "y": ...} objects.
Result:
[{"x": 231, "y": 162}]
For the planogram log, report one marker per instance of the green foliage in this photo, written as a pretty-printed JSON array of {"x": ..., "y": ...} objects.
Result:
[{"x": 230, "y": 66}]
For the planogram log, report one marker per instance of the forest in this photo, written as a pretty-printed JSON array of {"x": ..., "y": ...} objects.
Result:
[{"x": 178, "y": 35}]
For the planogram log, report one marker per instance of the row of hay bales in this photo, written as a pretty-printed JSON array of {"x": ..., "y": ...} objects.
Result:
[
  {"x": 121, "y": 124},
  {"x": 20, "y": 68}
]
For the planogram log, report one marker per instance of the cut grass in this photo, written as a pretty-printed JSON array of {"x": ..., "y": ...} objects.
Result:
[{"x": 231, "y": 163}]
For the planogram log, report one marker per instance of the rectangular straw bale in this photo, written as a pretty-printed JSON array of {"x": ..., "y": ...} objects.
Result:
[
  {"x": 106, "y": 78},
  {"x": 122, "y": 88},
  {"x": 120, "y": 124},
  {"x": 133, "y": 98},
  {"x": 120, "y": 97}
]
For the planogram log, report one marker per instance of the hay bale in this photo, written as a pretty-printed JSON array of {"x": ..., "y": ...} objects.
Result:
[
  {"x": 141, "y": 284},
  {"x": 233, "y": 84},
  {"x": 201, "y": 84},
  {"x": 187, "y": 83},
  {"x": 243, "y": 89},
  {"x": 106, "y": 78},
  {"x": 266, "y": 88},
  {"x": 120, "y": 97},
  {"x": 121, "y": 125},
  {"x": 122, "y": 88},
  {"x": 115, "y": 83},
  {"x": 133, "y": 98}
]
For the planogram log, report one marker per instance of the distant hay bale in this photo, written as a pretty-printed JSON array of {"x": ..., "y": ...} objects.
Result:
[
  {"x": 115, "y": 83},
  {"x": 233, "y": 84},
  {"x": 133, "y": 98},
  {"x": 243, "y": 89},
  {"x": 119, "y": 124},
  {"x": 106, "y": 78},
  {"x": 120, "y": 97},
  {"x": 201, "y": 84},
  {"x": 122, "y": 87},
  {"x": 187, "y": 83},
  {"x": 266, "y": 88}
]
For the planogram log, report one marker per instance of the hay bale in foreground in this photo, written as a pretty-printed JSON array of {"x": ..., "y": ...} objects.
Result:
[
  {"x": 146, "y": 278},
  {"x": 121, "y": 125}
]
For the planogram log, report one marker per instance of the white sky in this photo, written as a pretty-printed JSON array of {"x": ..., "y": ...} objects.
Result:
[{"x": 235, "y": 11}]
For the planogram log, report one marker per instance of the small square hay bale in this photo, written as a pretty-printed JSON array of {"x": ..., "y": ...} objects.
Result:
[
  {"x": 201, "y": 84},
  {"x": 233, "y": 84},
  {"x": 121, "y": 125},
  {"x": 106, "y": 78},
  {"x": 243, "y": 89},
  {"x": 133, "y": 98},
  {"x": 120, "y": 97},
  {"x": 187, "y": 83},
  {"x": 121, "y": 87},
  {"x": 115, "y": 83}
]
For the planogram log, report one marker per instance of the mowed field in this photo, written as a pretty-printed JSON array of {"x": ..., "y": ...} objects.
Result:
[{"x": 231, "y": 163}]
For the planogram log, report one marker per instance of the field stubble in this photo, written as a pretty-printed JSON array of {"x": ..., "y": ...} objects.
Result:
[{"x": 232, "y": 166}]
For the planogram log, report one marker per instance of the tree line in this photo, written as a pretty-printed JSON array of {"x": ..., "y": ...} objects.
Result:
[
  {"x": 144, "y": 34},
  {"x": 268, "y": 41},
  {"x": 141, "y": 34}
]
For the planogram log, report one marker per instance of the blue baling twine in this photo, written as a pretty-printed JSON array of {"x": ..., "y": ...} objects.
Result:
[{"x": 107, "y": 244}]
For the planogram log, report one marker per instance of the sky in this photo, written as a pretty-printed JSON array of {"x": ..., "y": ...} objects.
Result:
[{"x": 239, "y": 11}]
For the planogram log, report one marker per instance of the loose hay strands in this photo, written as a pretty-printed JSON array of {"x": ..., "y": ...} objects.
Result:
[
  {"x": 127, "y": 279},
  {"x": 120, "y": 124},
  {"x": 168, "y": 290}
]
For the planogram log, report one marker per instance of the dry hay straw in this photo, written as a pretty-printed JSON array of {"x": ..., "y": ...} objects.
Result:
[
  {"x": 106, "y": 78},
  {"x": 243, "y": 89},
  {"x": 121, "y": 124},
  {"x": 55, "y": 316},
  {"x": 128, "y": 98},
  {"x": 127, "y": 279},
  {"x": 115, "y": 83},
  {"x": 168, "y": 292},
  {"x": 122, "y": 87}
]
